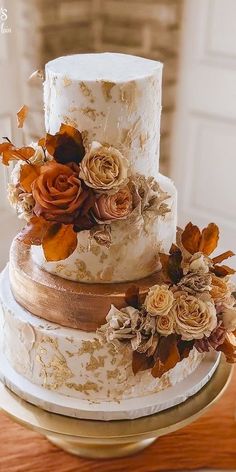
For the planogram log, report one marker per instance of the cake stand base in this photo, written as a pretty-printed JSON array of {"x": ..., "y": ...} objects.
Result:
[
  {"x": 111, "y": 439},
  {"x": 101, "y": 451}
]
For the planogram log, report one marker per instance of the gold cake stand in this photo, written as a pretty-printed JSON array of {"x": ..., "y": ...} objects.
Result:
[{"x": 102, "y": 439}]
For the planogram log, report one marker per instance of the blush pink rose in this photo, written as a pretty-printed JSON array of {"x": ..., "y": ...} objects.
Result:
[{"x": 117, "y": 206}]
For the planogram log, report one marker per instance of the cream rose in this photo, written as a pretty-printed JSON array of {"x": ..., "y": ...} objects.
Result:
[
  {"x": 165, "y": 325},
  {"x": 159, "y": 300},
  {"x": 229, "y": 319},
  {"x": 193, "y": 318},
  {"x": 104, "y": 167},
  {"x": 197, "y": 263}
]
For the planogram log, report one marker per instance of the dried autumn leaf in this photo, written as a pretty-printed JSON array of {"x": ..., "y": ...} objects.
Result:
[
  {"x": 34, "y": 232},
  {"x": 184, "y": 348},
  {"x": 223, "y": 270},
  {"x": 164, "y": 259},
  {"x": 222, "y": 257},
  {"x": 22, "y": 115},
  {"x": 59, "y": 242},
  {"x": 175, "y": 270},
  {"x": 28, "y": 174},
  {"x": 167, "y": 355},
  {"x": 42, "y": 142},
  {"x": 132, "y": 297},
  {"x": 190, "y": 238},
  {"x": 141, "y": 362},
  {"x": 10, "y": 153},
  {"x": 66, "y": 145},
  {"x": 209, "y": 239},
  {"x": 229, "y": 348}
]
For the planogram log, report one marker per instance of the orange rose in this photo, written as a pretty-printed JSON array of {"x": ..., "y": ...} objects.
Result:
[
  {"x": 117, "y": 206},
  {"x": 58, "y": 192}
]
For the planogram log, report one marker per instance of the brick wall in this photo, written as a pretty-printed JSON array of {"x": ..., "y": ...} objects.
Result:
[{"x": 147, "y": 28}]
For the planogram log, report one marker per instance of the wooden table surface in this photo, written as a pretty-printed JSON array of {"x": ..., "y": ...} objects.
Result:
[{"x": 210, "y": 442}]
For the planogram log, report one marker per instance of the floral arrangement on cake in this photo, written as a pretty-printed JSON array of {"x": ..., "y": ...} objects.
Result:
[
  {"x": 194, "y": 307},
  {"x": 62, "y": 186}
]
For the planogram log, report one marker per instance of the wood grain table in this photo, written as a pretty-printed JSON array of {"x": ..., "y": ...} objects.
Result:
[{"x": 210, "y": 442}]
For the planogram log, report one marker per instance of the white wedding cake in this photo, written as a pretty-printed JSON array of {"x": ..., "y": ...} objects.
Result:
[{"x": 95, "y": 310}]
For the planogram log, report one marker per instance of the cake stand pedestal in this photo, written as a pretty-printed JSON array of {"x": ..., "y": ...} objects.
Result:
[{"x": 110, "y": 439}]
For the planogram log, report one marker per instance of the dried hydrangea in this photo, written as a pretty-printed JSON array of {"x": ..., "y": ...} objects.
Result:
[{"x": 196, "y": 282}]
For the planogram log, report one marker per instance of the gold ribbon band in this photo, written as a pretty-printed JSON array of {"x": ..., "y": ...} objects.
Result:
[{"x": 67, "y": 303}]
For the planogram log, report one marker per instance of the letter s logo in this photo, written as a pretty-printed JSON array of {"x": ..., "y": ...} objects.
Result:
[{"x": 3, "y": 14}]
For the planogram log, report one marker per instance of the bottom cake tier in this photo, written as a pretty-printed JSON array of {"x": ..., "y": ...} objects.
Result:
[{"x": 75, "y": 373}]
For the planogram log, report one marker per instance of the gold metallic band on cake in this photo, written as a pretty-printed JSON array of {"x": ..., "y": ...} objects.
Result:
[{"x": 67, "y": 303}]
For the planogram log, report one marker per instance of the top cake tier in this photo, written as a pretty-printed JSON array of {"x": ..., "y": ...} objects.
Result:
[{"x": 111, "y": 98}]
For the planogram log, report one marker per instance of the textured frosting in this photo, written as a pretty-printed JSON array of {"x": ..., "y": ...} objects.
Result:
[
  {"x": 132, "y": 255},
  {"x": 72, "y": 362},
  {"x": 112, "y": 98}
]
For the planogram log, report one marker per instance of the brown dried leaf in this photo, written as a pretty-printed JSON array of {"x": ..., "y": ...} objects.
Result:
[
  {"x": 174, "y": 265},
  {"x": 167, "y": 356},
  {"x": 209, "y": 239},
  {"x": 141, "y": 362},
  {"x": 222, "y": 257},
  {"x": 229, "y": 348},
  {"x": 22, "y": 115},
  {"x": 28, "y": 174},
  {"x": 190, "y": 238},
  {"x": 10, "y": 153},
  {"x": 66, "y": 146},
  {"x": 34, "y": 232},
  {"x": 223, "y": 270},
  {"x": 132, "y": 297},
  {"x": 42, "y": 142},
  {"x": 59, "y": 242}
]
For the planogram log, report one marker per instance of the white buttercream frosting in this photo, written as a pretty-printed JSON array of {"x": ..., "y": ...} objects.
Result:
[
  {"x": 133, "y": 253},
  {"x": 75, "y": 363}
]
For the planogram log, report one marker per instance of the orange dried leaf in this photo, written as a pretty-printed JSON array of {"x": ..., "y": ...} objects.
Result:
[
  {"x": 209, "y": 239},
  {"x": 33, "y": 233},
  {"x": 222, "y": 257},
  {"x": 66, "y": 146},
  {"x": 167, "y": 357},
  {"x": 190, "y": 238},
  {"x": 141, "y": 362},
  {"x": 42, "y": 142},
  {"x": 223, "y": 270},
  {"x": 59, "y": 242},
  {"x": 229, "y": 348},
  {"x": 28, "y": 174},
  {"x": 10, "y": 153},
  {"x": 22, "y": 115}
]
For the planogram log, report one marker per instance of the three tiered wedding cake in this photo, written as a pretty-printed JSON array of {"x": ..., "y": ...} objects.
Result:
[{"x": 95, "y": 310}]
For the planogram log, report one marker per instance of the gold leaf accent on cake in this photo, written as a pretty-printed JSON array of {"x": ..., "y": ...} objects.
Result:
[
  {"x": 89, "y": 112},
  {"x": 81, "y": 271},
  {"x": 54, "y": 371},
  {"x": 84, "y": 388},
  {"x": 85, "y": 137},
  {"x": 103, "y": 257},
  {"x": 129, "y": 135},
  {"x": 86, "y": 91},
  {"x": 106, "y": 274},
  {"x": 106, "y": 89},
  {"x": 128, "y": 95},
  {"x": 95, "y": 362},
  {"x": 70, "y": 121},
  {"x": 143, "y": 138},
  {"x": 113, "y": 374},
  {"x": 95, "y": 250},
  {"x": 90, "y": 347},
  {"x": 66, "y": 81}
]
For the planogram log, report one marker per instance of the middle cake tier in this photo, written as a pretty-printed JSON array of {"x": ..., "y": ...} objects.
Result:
[{"x": 135, "y": 243}]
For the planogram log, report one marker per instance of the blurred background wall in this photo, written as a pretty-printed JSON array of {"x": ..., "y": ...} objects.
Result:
[{"x": 140, "y": 27}]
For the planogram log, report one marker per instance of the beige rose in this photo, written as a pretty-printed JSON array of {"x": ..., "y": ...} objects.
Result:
[
  {"x": 104, "y": 167},
  {"x": 165, "y": 325},
  {"x": 193, "y": 318},
  {"x": 219, "y": 289},
  {"x": 159, "y": 300},
  {"x": 117, "y": 206},
  {"x": 197, "y": 263},
  {"x": 229, "y": 319}
]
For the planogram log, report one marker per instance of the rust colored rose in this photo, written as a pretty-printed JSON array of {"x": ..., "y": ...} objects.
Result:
[
  {"x": 114, "y": 207},
  {"x": 58, "y": 192}
]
